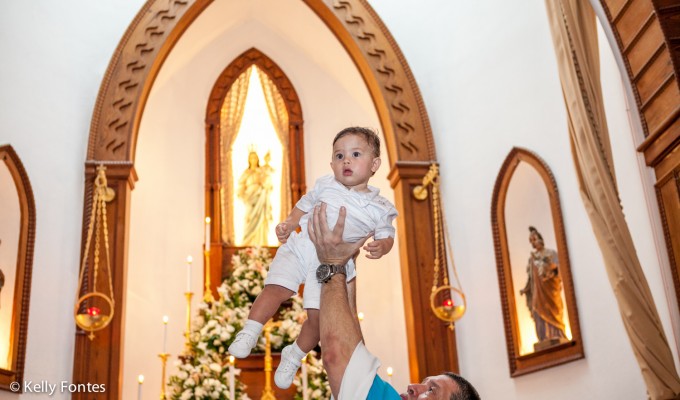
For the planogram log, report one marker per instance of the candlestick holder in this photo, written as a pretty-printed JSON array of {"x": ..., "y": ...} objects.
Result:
[
  {"x": 187, "y": 332},
  {"x": 267, "y": 392},
  {"x": 164, "y": 361},
  {"x": 207, "y": 295}
]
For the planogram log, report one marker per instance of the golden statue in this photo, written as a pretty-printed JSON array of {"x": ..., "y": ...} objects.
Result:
[
  {"x": 544, "y": 293},
  {"x": 254, "y": 189}
]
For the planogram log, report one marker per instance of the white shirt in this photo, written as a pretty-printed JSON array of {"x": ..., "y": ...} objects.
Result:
[{"x": 366, "y": 211}]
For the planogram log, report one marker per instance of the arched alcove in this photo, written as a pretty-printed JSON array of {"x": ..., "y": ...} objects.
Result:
[
  {"x": 525, "y": 194},
  {"x": 17, "y": 217},
  {"x": 224, "y": 246},
  {"x": 115, "y": 126}
]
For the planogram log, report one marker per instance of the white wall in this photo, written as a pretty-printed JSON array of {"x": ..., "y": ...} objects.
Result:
[
  {"x": 54, "y": 58},
  {"x": 488, "y": 76}
]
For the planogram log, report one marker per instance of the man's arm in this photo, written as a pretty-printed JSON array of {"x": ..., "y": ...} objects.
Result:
[{"x": 338, "y": 327}]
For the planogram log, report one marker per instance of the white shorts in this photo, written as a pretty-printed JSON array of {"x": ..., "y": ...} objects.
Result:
[{"x": 295, "y": 263}]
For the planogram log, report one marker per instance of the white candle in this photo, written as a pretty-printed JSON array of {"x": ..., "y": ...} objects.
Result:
[
  {"x": 207, "y": 233},
  {"x": 140, "y": 379},
  {"x": 304, "y": 378},
  {"x": 390, "y": 371},
  {"x": 165, "y": 333},
  {"x": 232, "y": 387},
  {"x": 189, "y": 260}
]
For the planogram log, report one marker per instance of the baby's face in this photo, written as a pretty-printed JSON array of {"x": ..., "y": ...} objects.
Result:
[{"x": 353, "y": 162}]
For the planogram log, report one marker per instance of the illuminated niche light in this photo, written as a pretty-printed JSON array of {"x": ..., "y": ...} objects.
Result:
[{"x": 256, "y": 129}]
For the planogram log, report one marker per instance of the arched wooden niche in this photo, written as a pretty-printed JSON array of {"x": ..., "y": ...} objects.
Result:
[
  {"x": 219, "y": 134},
  {"x": 17, "y": 238},
  {"x": 537, "y": 292}
]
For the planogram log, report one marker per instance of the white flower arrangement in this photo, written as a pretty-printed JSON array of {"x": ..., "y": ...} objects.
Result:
[
  {"x": 203, "y": 373},
  {"x": 317, "y": 380}
]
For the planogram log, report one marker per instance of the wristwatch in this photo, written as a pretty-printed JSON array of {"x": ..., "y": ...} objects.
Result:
[{"x": 325, "y": 272}]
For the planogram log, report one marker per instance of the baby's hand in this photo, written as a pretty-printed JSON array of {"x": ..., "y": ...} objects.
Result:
[
  {"x": 282, "y": 232},
  {"x": 378, "y": 248}
]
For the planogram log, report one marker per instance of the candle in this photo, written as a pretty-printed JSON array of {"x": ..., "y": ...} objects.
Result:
[
  {"x": 232, "y": 387},
  {"x": 189, "y": 260},
  {"x": 390, "y": 371},
  {"x": 207, "y": 233},
  {"x": 165, "y": 333},
  {"x": 304, "y": 378},
  {"x": 140, "y": 379}
]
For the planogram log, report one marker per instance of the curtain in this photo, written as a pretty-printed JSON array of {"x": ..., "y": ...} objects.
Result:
[
  {"x": 572, "y": 23},
  {"x": 231, "y": 115},
  {"x": 279, "y": 116}
]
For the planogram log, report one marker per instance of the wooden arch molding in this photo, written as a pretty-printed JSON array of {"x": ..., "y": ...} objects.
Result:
[{"x": 408, "y": 137}]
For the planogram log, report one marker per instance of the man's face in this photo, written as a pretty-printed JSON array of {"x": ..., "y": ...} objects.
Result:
[{"x": 439, "y": 387}]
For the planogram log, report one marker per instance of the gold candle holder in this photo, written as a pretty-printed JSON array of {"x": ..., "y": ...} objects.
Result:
[
  {"x": 164, "y": 361},
  {"x": 207, "y": 296},
  {"x": 187, "y": 333},
  {"x": 267, "y": 392}
]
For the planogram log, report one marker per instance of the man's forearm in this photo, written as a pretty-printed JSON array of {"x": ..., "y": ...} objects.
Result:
[{"x": 339, "y": 332}]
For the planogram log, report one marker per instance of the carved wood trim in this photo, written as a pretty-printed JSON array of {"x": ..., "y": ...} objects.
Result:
[
  {"x": 570, "y": 351},
  {"x": 131, "y": 72},
  {"x": 405, "y": 123},
  {"x": 24, "y": 270}
]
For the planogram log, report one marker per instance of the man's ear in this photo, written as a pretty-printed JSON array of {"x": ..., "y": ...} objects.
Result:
[{"x": 376, "y": 164}]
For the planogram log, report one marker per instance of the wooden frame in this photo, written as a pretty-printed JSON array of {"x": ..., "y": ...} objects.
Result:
[
  {"x": 559, "y": 353},
  {"x": 220, "y": 258},
  {"x": 24, "y": 267}
]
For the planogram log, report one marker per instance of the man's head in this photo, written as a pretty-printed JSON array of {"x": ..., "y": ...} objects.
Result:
[{"x": 447, "y": 386}]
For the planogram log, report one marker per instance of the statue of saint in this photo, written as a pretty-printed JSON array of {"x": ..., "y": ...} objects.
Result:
[
  {"x": 254, "y": 188},
  {"x": 544, "y": 293}
]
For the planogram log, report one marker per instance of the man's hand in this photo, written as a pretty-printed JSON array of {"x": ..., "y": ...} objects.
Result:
[
  {"x": 379, "y": 248},
  {"x": 330, "y": 247}
]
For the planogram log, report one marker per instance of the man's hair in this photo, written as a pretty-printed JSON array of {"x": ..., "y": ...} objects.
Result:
[
  {"x": 368, "y": 134},
  {"x": 466, "y": 392}
]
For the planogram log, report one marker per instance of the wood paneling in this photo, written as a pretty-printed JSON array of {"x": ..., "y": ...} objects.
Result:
[
  {"x": 660, "y": 69},
  {"x": 648, "y": 36},
  {"x": 431, "y": 344},
  {"x": 101, "y": 360}
]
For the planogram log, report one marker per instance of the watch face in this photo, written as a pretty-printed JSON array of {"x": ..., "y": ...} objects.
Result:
[{"x": 323, "y": 272}]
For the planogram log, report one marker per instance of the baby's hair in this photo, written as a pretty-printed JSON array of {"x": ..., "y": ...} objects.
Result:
[{"x": 367, "y": 133}]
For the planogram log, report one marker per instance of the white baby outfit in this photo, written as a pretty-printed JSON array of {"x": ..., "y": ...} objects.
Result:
[{"x": 296, "y": 260}]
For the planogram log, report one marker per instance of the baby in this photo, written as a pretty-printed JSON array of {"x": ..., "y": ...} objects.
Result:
[{"x": 356, "y": 157}]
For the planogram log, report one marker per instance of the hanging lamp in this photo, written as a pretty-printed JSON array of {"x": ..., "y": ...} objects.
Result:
[
  {"x": 94, "y": 309},
  {"x": 447, "y": 300}
]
